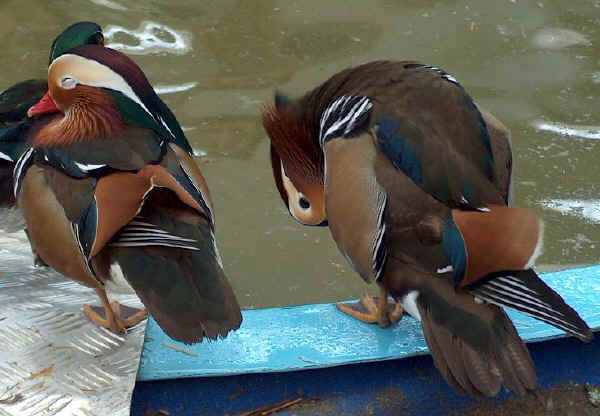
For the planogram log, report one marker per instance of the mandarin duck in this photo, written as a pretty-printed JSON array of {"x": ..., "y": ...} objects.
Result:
[
  {"x": 413, "y": 180},
  {"x": 15, "y": 101},
  {"x": 110, "y": 200}
]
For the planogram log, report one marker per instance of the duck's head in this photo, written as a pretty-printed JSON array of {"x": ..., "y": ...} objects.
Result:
[
  {"x": 297, "y": 162},
  {"x": 80, "y": 33},
  {"x": 98, "y": 91}
]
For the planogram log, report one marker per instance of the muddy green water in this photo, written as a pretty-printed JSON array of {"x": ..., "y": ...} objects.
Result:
[{"x": 535, "y": 64}]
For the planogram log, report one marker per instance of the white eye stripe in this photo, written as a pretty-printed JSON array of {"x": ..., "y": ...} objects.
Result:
[
  {"x": 283, "y": 172},
  {"x": 96, "y": 74}
]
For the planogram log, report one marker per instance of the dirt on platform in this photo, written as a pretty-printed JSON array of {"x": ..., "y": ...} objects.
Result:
[{"x": 563, "y": 400}]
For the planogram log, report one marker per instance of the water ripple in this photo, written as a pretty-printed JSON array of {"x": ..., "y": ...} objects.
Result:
[
  {"x": 170, "y": 89},
  {"x": 559, "y": 38},
  {"x": 149, "y": 38},
  {"x": 587, "y": 209},
  {"x": 110, "y": 4},
  {"x": 585, "y": 132}
]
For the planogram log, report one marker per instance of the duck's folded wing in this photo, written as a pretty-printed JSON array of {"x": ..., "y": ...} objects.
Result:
[
  {"x": 168, "y": 252},
  {"x": 147, "y": 214},
  {"x": 12, "y": 145},
  {"x": 444, "y": 146},
  {"x": 16, "y": 100},
  {"x": 430, "y": 129}
]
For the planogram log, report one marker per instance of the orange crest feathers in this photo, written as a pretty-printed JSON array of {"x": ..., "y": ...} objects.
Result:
[{"x": 295, "y": 144}]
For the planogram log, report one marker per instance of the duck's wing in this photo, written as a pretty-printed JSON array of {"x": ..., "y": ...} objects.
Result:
[{"x": 147, "y": 216}]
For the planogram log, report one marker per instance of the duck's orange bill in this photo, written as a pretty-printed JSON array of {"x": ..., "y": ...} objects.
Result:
[{"x": 44, "y": 106}]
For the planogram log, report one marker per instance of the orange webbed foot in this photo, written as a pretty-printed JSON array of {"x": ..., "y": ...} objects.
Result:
[
  {"x": 113, "y": 318},
  {"x": 372, "y": 310}
]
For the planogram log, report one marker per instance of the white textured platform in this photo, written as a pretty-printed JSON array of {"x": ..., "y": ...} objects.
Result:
[{"x": 53, "y": 361}]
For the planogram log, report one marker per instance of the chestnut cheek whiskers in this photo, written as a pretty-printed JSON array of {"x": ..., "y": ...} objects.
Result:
[{"x": 91, "y": 116}]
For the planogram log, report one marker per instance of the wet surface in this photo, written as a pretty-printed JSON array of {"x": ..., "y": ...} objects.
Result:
[{"x": 535, "y": 64}]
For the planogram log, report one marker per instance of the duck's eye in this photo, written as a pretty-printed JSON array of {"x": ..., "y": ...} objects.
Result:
[
  {"x": 68, "y": 82},
  {"x": 303, "y": 202}
]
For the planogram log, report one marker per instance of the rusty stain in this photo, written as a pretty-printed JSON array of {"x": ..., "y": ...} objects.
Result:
[
  {"x": 270, "y": 409},
  {"x": 176, "y": 348},
  {"x": 48, "y": 371},
  {"x": 88, "y": 389},
  {"x": 13, "y": 399},
  {"x": 238, "y": 393}
]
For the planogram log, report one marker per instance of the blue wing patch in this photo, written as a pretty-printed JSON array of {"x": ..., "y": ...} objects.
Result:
[
  {"x": 486, "y": 159},
  {"x": 455, "y": 248},
  {"x": 87, "y": 227},
  {"x": 400, "y": 151}
]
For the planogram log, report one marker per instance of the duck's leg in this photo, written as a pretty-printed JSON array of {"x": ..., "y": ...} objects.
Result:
[
  {"x": 372, "y": 310},
  {"x": 112, "y": 319},
  {"x": 37, "y": 260},
  {"x": 135, "y": 318}
]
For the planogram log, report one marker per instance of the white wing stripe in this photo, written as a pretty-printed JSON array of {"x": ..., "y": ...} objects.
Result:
[
  {"x": 17, "y": 172},
  {"x": 528, "y": 310},
  {"x": 141, "y": 233},
  {"x": 4, "y": 156},
  {"x": 88, "y": 167},
  {"x": 506, "y": 291},
  {"x": 347, "y": 119},
  {"x": 516, "y": 282},
  {"x": 379, "y": 248},
  {"x": 510, "y": 287},
  {"x": 146, "y": 244},
  {"x": 199, "y": 190}
]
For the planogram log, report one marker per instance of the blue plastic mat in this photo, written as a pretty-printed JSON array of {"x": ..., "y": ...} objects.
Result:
[{"x": 318, "y": 335}]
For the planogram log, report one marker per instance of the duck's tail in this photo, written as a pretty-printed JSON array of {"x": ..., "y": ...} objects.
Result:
[{"x": 474, "y": 345}]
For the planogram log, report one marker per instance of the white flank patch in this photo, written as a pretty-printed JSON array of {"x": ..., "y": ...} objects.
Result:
[
  {"x": 118, "y": 283},
  {"x": 217, "y": 254},
  {"x": 409, "y": 303},
  {"x": 538, "y": 248}
]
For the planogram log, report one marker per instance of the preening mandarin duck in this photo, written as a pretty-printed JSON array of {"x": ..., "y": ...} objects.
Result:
[
  {"x": 15, "y": 101},
  {"x": 110, "y": 200},
  {"x": 414, "y": 181}
]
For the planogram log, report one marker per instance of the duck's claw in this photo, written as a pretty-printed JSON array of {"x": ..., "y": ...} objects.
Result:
[
  {"x": 114, "y": 316},
  {"x": 372, "y": 310}
]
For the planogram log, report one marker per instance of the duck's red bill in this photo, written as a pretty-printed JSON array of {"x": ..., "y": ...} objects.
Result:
[{"x": 44, "y": 106}]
